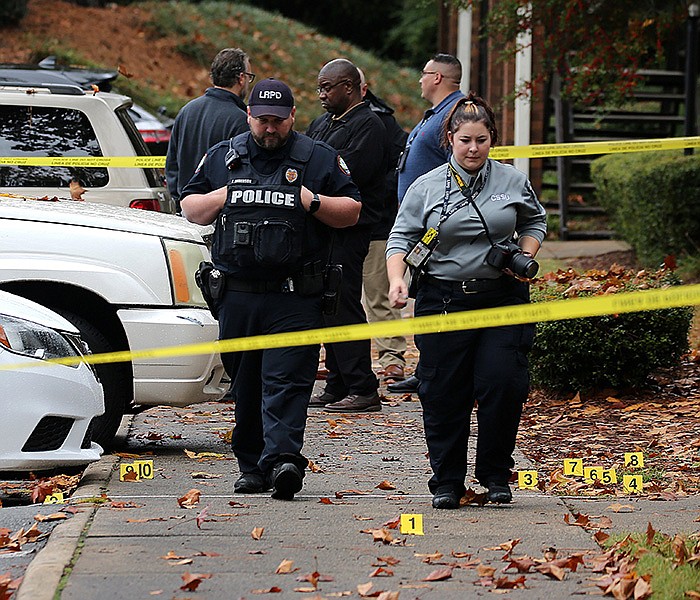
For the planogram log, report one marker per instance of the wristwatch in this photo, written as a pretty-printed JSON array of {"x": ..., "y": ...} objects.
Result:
[{"x": 315, "y": 204}]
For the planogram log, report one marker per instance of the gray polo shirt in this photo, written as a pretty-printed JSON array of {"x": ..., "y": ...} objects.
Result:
[{"x": 507, "y": 202}]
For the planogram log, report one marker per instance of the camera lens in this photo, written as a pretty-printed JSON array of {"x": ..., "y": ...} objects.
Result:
[{"x": 524, "y": 266}]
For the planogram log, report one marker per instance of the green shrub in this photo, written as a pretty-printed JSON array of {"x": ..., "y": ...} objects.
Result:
[
  {"x": 609, "y": 351},
  {"x": 654, "y": 201},
  {"x": 12, "y": 11}
]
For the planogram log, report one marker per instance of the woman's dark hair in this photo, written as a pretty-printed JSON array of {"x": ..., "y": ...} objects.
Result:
[{"x": 469, "y": 109}]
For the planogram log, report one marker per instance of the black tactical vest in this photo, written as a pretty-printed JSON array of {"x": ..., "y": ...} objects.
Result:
[{"x": 262, "y": 228}]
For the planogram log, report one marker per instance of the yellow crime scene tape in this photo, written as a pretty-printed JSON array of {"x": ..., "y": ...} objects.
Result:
[
  {"x": 688, "y": 295},
  {"x": 498, "y": 153},
  {"x": 512, "y": 315}
]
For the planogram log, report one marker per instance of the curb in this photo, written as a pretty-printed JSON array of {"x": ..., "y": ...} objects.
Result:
[{"x": 44, "y": 573}]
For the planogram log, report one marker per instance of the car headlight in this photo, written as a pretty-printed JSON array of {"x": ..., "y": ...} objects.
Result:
[
  {"x": 183, "y": 260},
  {"x": 31, "y": 339}
]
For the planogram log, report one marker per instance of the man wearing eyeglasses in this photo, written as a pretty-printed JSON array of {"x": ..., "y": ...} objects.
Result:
[
  {"x": 351, "y": 127},
  {"x": 439, "y": 85},
  {"x": 219, "y": 114}
]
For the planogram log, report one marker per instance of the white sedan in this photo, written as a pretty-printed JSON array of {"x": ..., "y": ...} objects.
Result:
[{"x": 47, "y": 408}]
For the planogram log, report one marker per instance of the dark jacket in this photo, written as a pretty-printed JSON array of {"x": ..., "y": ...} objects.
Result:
[
  {"x": 360, "y": 139},
  {"x": 395, "y": 141},
  {"x": 202, "y": 123}
]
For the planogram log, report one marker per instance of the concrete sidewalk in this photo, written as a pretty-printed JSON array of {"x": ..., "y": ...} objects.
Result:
[
  {"x": 559, "y": 250},
  {"x": 368, "y": 470},
  {"x": 118, "y": 552},
  {"x": 137, "y": 542}
]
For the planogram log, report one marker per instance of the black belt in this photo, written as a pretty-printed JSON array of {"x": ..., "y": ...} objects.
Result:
[
  {"x": 468, "y": 286},
  {"x": 260, "y": 287}
]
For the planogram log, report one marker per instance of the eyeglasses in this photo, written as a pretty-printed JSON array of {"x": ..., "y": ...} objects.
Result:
[
  {"x": 423, "y": 73},
  {"x": 327, "y": 88},
  {"x": 251, "y": 76}
]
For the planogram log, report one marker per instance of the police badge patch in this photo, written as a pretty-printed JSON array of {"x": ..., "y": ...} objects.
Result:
[
  {"x": 343, "y": 167},
  {"x": 291, "y": 175}
]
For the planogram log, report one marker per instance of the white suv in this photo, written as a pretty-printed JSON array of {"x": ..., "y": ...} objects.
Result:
[
  {"x": 125, "y": 279},
  {"x": 60, "y": 120}
]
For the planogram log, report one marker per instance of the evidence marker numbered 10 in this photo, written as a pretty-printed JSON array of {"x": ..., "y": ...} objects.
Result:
[{"x": 136, "y": 471}]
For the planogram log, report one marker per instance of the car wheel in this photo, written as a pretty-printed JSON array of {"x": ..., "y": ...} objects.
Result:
[{"x": 114, "y": 377}]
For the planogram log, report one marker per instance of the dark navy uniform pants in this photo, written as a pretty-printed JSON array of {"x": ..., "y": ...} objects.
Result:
[
  {"x": 271, "y": 387},
  {"x": 487, "y": 367},
  {"x": 349, "y": 364}
]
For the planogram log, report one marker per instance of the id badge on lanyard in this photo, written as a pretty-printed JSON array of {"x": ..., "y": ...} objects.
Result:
[{"x": 420, "y": 253}]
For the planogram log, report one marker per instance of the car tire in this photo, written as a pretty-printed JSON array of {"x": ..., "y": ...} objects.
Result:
[{"x": 114, "y": 377}]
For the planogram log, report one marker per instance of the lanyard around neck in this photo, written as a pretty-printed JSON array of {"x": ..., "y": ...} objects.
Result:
[{"x": 469, "y": 196}]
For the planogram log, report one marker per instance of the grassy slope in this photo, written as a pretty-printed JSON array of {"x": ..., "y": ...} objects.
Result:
[{"x": 278, "y": 47}]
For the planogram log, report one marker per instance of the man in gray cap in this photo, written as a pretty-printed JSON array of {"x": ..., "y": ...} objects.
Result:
[{"x": 274, "y": 196}]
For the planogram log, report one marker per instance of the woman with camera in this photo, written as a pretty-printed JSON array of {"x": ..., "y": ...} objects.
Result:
[{"x": 470, "y": 229}]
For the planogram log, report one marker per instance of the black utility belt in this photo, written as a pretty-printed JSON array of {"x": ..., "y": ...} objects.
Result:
[
  {"x": 308, "y": 281},
  {"x": 260, "y": 287},
  {"x": 468, "y": 286}
]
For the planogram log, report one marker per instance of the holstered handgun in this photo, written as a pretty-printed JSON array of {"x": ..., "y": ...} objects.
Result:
[
  {"x": 212, "y": 283},
  {"x": 332, "y": 280}
]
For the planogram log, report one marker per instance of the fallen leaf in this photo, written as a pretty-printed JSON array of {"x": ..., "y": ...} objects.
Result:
[
  {"x": 386, "y": 485},
  {"x": 439, "y": 575},
  {"x": 204, "y": 475},
  {"x": 257, "y": 533},
  {"x": 507, "y": 546},
  {"x": 192, "y": 580},
  {"x": 522, "y": 564},
  {"x": 621, "y": 508},
  {"x": 271, "y": 590},
  {"x": 172, "y": 556},
  {"x": 550, "y": 554},
  {"x": 76, "y": 190},
  {"x": 504, "y": 583},
  {"x": 202, "y": 455},
  {"x": 485, "y": 571},
  {"x": 201, "y": 517},
  {"x": 642, "y": 588},
  {"x": 52, "y": 517},
  {"x": 551, "y": 570},
  {"x": 312, "y": 578},
  {"x": 381, "y": 572},
  {"x": 428, "y": 558},
  {"x": 286, "y": 566},
  {"x": 121, "y": 69},
  {"x": 651, "y": 532},
  {"x": 123, "y": 505},
  {"x": 190, "y": 499},
  {"x": 393, "y": 523},
  {"x": 379, "y": 535},
  {"x": 600, "y": 536}
]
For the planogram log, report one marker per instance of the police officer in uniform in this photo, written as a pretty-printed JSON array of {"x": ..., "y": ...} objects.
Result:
[{"x": 274, "y": 195}]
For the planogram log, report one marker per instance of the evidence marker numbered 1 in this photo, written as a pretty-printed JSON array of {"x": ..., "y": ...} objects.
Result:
[{"x": 412, "y": 524}]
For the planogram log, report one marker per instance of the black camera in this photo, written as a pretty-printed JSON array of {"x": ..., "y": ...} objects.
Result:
[{"x": 508, "y": 255}]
